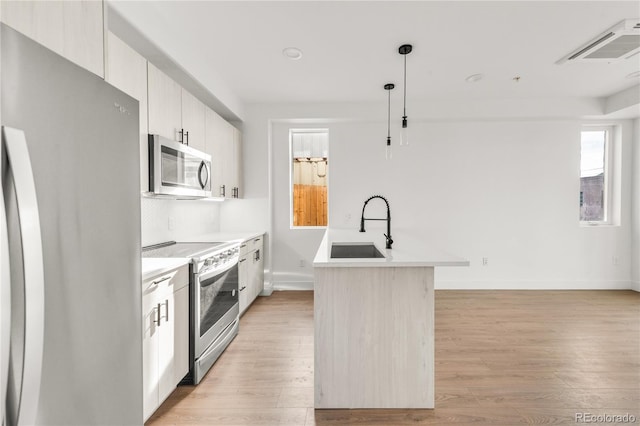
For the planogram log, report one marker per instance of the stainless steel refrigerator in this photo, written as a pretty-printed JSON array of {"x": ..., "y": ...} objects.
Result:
[{"x": 70, "y": 242}]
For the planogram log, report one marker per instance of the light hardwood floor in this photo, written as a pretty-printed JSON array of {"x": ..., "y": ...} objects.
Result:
[{"x": 502, "y": 357}]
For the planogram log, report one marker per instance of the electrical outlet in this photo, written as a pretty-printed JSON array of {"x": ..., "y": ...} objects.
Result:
[
  {"x": 485, "y": 261},
  {"x": 615, "y": 260},
  {"x": 302, "y": 263},
  {"x": 171, "y": 223},
  {"x": 347, "y": 218}
]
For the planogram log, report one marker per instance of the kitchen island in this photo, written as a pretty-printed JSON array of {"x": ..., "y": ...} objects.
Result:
[{"x": 374, "y": 321}]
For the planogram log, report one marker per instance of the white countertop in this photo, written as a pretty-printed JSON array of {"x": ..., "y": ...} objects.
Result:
[
  {"x": 154, "y": 266},
  {"x": 237, "y": 237},
  {"x": 407, "y": 251}
]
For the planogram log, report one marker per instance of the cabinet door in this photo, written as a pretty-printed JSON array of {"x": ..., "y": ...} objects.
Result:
[
  {"x": 165, "y": 104},
  {"x": 127, "y": 70},
  {"x": 166, "y": 355},
  {"x": 244, "y": 265},
  {"x": 236, "y": 164},
  {"x": 181, "y": 333},
  {"x": 150, "y": 347},
  {"x": 257, "y": 273},
  {"x": 193, "y": 120},
  {"x": 83, "y": 34},
  {"x": 220, "y": 145},
  {"x": 214, "y": 135},
  {"x": 73, "y": 29},
  {"x": 42, "y": 21}
]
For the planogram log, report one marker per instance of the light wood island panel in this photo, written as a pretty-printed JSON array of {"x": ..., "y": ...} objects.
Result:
[{"x": 374, "y": 341}]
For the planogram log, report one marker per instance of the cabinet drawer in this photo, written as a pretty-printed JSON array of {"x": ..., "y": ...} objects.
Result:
[
  {"x": 245, "y": 247},
  {"x": 169, "y": 281},
  {"x": 255, "y": 243}
]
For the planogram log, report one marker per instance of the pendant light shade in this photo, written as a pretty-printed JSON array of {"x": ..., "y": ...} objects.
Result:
[
  {"x": 404, "y": 50},
  {"x": 388, "y": 87}
]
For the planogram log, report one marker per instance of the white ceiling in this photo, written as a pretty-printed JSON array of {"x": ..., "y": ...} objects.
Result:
[{"x": 350, "y": 48}]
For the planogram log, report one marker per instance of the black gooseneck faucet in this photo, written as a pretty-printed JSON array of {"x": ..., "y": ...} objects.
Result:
[{"x": 388, "y": 219}]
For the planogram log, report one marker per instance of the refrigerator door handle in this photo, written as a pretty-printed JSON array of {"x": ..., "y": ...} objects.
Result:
[
  {"x": 20, "y": 165},
  {"x": 5, "y": 308}
]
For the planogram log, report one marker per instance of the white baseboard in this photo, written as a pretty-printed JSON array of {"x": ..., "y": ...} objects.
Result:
[
  {"x": 293, "y": 285},
  {"x": 267, "y": 289},
  {"x": 489, "y": 285},
  {"x": 492, "y": 285},
  {"x": 535, "y": 285}
]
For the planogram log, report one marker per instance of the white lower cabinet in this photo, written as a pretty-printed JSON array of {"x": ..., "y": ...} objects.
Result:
[
  {"x": 257, "y": 268},
  {"x": 243, "y": 282},
  {"x": 250, "y": 271},
  {"x": 165, "y": 343}
]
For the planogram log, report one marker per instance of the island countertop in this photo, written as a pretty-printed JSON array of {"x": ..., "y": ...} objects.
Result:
[{"x": 408, "y": 250}]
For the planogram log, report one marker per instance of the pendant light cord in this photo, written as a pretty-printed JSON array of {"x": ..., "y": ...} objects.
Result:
[
  {"x": 389, "y": 115},
  {"x": 405, "y": 86}
]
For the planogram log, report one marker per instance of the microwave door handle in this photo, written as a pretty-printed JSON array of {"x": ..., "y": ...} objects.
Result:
[
  {"x": 203, "y": 166},
  {"x": 15, "y": 144}
]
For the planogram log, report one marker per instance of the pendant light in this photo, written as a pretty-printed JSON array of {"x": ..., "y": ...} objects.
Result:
[
  {"x": 389, "y": 87},
  {"x": 404, "y": 50}
]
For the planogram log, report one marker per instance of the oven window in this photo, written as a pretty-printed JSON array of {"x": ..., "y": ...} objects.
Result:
[{"x": 218, "y": 294}]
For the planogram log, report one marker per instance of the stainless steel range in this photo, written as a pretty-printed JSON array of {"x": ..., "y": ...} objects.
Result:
[{"x": 213, "y": 305}]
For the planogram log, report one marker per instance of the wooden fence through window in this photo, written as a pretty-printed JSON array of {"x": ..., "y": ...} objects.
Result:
[{"x": 309, "y": 205}]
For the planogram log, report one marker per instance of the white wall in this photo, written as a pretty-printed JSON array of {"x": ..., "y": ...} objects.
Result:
[
  {"x": 177, "y": 220},
  {"x": 504, "y": 186},
  {"x": 635, "y": 208}
]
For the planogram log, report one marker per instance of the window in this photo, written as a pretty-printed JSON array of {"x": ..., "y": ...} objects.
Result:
[
  {"x": 595, "y": 175},
  {"x": 309, "y": 165}
]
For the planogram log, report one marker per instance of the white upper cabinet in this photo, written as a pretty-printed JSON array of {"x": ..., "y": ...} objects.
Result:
[
  {"x": 193, "y": 121},
  {"x": 165, "y": 105},
  {"x": 214, "y": 133},
  {"x": 236, "y": 172},
  {"x": 84, "y": 34},
  {"x": 223, "y": 143},
  {"x": 73, "y": 29},
  {"x": 127, "y": 70}
]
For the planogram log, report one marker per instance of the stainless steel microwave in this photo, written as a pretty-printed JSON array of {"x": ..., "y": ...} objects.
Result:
[{"x": 178, "y": 170}]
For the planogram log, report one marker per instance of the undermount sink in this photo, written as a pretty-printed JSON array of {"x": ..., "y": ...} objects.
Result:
[{"x": 355, "y": 251}]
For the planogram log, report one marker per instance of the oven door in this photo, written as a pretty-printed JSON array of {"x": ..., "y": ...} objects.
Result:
[
  {"x": 216, "y": 304},
  {"x": 177, "y": 169}
]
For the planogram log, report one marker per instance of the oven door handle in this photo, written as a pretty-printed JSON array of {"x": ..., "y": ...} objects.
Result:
[{"x": 217, "y": 271}]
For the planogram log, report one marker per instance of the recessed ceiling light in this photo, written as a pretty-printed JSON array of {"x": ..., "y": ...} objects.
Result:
[
  {"x": 292, "y": 53},
  {"x": 474, "y": 78},
  {"x": 634, "y": 74}
]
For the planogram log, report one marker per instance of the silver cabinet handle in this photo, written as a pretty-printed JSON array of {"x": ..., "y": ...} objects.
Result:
[
  {"x": 166, "y": 307},
  {"x": 256, "y": 240},
  {"x": 241, "y": 260},
  {"x": 158, "y": 316},
  {"x": 161, "y": 280},
  {"x": 29, "y": 218},
  {"x": 223, "y": 191},
  {"x": 243, "y": 287}
]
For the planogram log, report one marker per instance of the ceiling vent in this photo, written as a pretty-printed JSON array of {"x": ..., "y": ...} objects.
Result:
[{"x": 619, "y": 42}]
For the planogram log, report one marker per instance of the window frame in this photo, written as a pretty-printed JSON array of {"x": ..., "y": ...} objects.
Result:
[
  {"x": 293, "y": 131},
  {"x": 607, "y": 171}
]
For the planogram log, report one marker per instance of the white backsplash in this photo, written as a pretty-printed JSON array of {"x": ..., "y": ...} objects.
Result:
[{"x": 177, "y": 220}]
